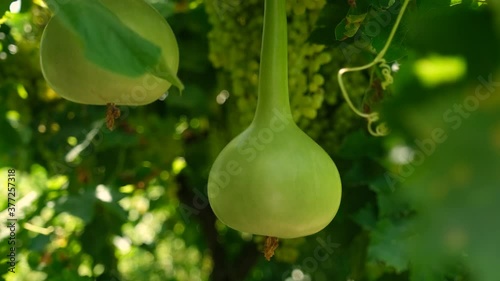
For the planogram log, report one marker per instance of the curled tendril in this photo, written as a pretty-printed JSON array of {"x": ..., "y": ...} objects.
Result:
[
  {"x": 386, "y": 72},
  {"x": 381, "y": 129}
]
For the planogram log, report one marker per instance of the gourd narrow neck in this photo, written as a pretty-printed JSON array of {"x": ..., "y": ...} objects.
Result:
[{"x": 273, "y": 77}]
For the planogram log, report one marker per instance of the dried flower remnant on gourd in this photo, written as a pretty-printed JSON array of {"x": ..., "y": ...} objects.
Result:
[
  {"x": 112, "y": 113},
  {"x": 270, "y": 246}
]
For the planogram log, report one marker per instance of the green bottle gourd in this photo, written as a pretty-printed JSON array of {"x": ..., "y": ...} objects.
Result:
[
  {"x": 68, "y": 70},
  {"x": 273, "y": 179}
]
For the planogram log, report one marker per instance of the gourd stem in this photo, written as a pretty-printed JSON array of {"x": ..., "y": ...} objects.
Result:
[
  {"x": 273, "y": 77},
  {"x": 379, "y": 59}
]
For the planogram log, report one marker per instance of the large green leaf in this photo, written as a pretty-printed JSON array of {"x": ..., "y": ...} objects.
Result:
[
  {"x": 454, "y": 131},
  {"x": 387, "y": 244}
]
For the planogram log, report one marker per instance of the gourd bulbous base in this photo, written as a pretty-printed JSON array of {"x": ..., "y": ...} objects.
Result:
[{"x": 274, "y": 180}]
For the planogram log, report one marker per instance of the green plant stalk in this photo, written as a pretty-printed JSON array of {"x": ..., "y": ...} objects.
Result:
[{"x": 273, "y": 75}]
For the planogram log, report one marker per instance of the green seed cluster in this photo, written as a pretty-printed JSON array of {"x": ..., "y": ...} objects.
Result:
[
  {"x": 335, "y": 118},
  {"x": 306, "y": 84},
  {"x": 235, "y": 42}
]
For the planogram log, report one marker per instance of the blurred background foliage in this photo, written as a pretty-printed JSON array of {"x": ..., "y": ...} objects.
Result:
[{"x": 420, "y": 204}]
